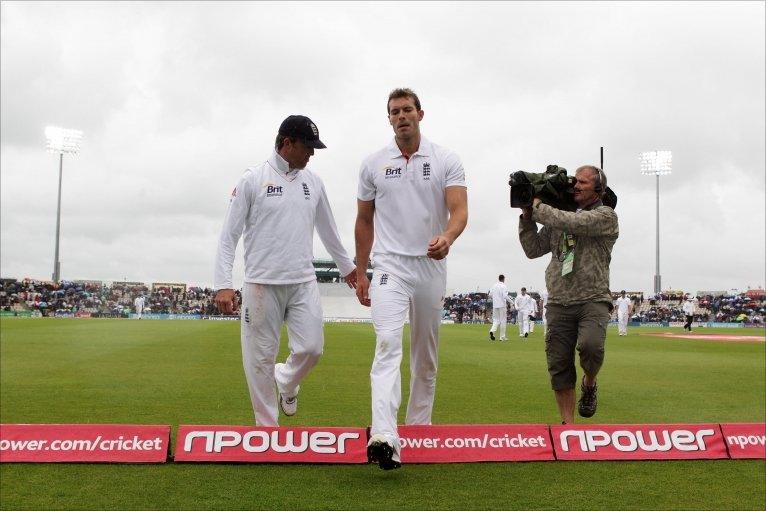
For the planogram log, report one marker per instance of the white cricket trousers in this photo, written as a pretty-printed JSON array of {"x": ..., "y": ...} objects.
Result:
[
  {"x": 522, "y": 319},
  {"x": 499, "y": 318},
  {"x": 402, "y": 285},
  {"x": 622, "y": 322},
  {"x": 264, "y": 308}
]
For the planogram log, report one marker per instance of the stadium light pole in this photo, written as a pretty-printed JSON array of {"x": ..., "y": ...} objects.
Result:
[
  {"x": 61, "y": 141},
  {"x": 657, "y": 163}
]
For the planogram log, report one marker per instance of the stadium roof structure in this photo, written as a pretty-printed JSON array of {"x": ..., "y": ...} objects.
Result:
[{"x": 169, "y": 285}]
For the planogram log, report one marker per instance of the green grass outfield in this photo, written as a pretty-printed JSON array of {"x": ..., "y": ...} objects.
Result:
[{"x": 189, "y": 372}]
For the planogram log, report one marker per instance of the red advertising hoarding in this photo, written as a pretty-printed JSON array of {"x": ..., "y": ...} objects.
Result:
[
  {"x": 251, "y": 444},
  {"x": 638, "y": 442},
  {"x": 745, "y": 440},
  {"x": 91, "y": 443},
  {"x": 475, "y": 442}
]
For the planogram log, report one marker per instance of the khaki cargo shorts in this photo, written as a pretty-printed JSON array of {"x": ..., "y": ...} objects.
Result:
[{"x": 581, "y": 327}]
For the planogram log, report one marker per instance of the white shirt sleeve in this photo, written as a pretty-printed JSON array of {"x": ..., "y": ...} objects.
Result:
[
  {"x": 239, "y": 208},
  {"x": 328, "y": 233},
  {"x": 366, "y": 190},
  {"x": 455, "y": 175}
]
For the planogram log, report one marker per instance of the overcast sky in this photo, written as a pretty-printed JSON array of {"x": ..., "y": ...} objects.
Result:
[{"x": 176, "y": 99}]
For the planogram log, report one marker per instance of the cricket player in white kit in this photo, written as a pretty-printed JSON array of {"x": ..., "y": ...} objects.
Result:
[
  {"x": 524, "y": 308},
  {"x": 499, "y": 295},
  {"x": 544, "y": 300},
  {"x": 278, "y": 204},
  {"x": 138, "y": 303},
  {"x": 412, "y": 201},
  {"x": 533, "y": 315},
  {"x": 624, "y": 307}
]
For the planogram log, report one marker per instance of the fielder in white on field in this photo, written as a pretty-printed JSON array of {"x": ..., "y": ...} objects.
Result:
[
  {"x": 412, "y": 201},
  {"x": 524, "y": 308},
  {"x": 533, "y": 315},
  {"x": 138, "y": 303},
  {"x": 278, "y": 204},
  {"x": 499, "y": 295},
  {"x": 544, "y": 300},
  {"x": 624, "y": 310}
]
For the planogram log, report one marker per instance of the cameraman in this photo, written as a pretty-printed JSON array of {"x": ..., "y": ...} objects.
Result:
[{"x": 577, "y": 278}]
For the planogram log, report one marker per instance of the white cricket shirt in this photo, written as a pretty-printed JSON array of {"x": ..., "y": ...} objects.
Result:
[
  {"x": 410, "y": 207},
  {"x": 499, "y": 294},
  {"x": 277, "y": 209},
  {"x": 524, "y": 303},
  {"x": 623, "y": 304}
]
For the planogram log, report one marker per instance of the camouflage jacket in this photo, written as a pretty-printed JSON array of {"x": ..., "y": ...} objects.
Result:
[{"x": 595, "y": 231}]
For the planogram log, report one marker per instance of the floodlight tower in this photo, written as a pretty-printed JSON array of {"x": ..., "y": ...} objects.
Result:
[
  {"x": 657, "y": 163},
  {"x": 61, "y": 141}
]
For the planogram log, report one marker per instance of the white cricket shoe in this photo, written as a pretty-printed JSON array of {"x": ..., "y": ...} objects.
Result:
[{"x": 288, "y": 404}]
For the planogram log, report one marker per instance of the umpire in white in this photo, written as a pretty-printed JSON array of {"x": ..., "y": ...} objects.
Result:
[
  {"x": 277, "y": 204},
  {"x": 412, "y": 201}
]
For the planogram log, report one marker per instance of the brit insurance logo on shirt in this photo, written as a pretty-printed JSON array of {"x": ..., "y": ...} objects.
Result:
[
  {"x": 306, "y": 191},
  {"x": 273, "y": 190},
  {"x": 391, "y": 172}
]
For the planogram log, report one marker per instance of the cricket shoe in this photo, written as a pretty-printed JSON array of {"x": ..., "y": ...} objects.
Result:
[
  {"x": 288, "y": 404},
  {"x": 586, "y": 407},
  {"x": 380, "y": 451}
]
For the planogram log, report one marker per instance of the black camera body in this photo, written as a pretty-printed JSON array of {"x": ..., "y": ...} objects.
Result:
[{"x": 553, "y": 187}]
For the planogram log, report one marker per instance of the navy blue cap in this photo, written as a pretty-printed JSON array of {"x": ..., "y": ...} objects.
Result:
[{"x": 303, "y": 128}]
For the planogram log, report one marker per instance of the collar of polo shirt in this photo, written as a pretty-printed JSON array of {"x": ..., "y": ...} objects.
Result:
[
  {"x": 424, "y": 149},
  {"x": 281, "y": 166}
]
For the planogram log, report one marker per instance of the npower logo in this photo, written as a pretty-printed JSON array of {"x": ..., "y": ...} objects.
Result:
[
  {"x": 320, "y": 442},
  {"x": 639, "y": 441},
  {"x": 632, "y": 441},
  {"x": 254, "y": 444}
]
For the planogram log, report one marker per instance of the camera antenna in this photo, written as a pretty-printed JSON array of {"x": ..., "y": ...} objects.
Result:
[{"x": 602, "y": 157}]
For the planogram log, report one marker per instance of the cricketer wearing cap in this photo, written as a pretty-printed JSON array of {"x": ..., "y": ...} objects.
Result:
[
  {"x": 412, "y": 202},
  {"x": 278, "y": 204}
]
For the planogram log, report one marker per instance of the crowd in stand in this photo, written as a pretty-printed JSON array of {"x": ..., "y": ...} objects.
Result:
[
  {"x": 97, "y": 299},
  {"x": 736, "y": 308},
  {"x": 721, "y": 308}
]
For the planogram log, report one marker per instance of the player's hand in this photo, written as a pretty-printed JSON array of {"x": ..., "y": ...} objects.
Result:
[
  {"x": 526, "y": 213},
  {"x": 438, "y": 248},
  {"x": 226, "y": 301},
  {"x": 363, "y": 289},
  {"x": 351, "y": 279}
]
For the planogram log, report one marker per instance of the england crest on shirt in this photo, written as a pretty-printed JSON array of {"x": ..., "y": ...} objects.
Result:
[{"x": 426, "y": 170}]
